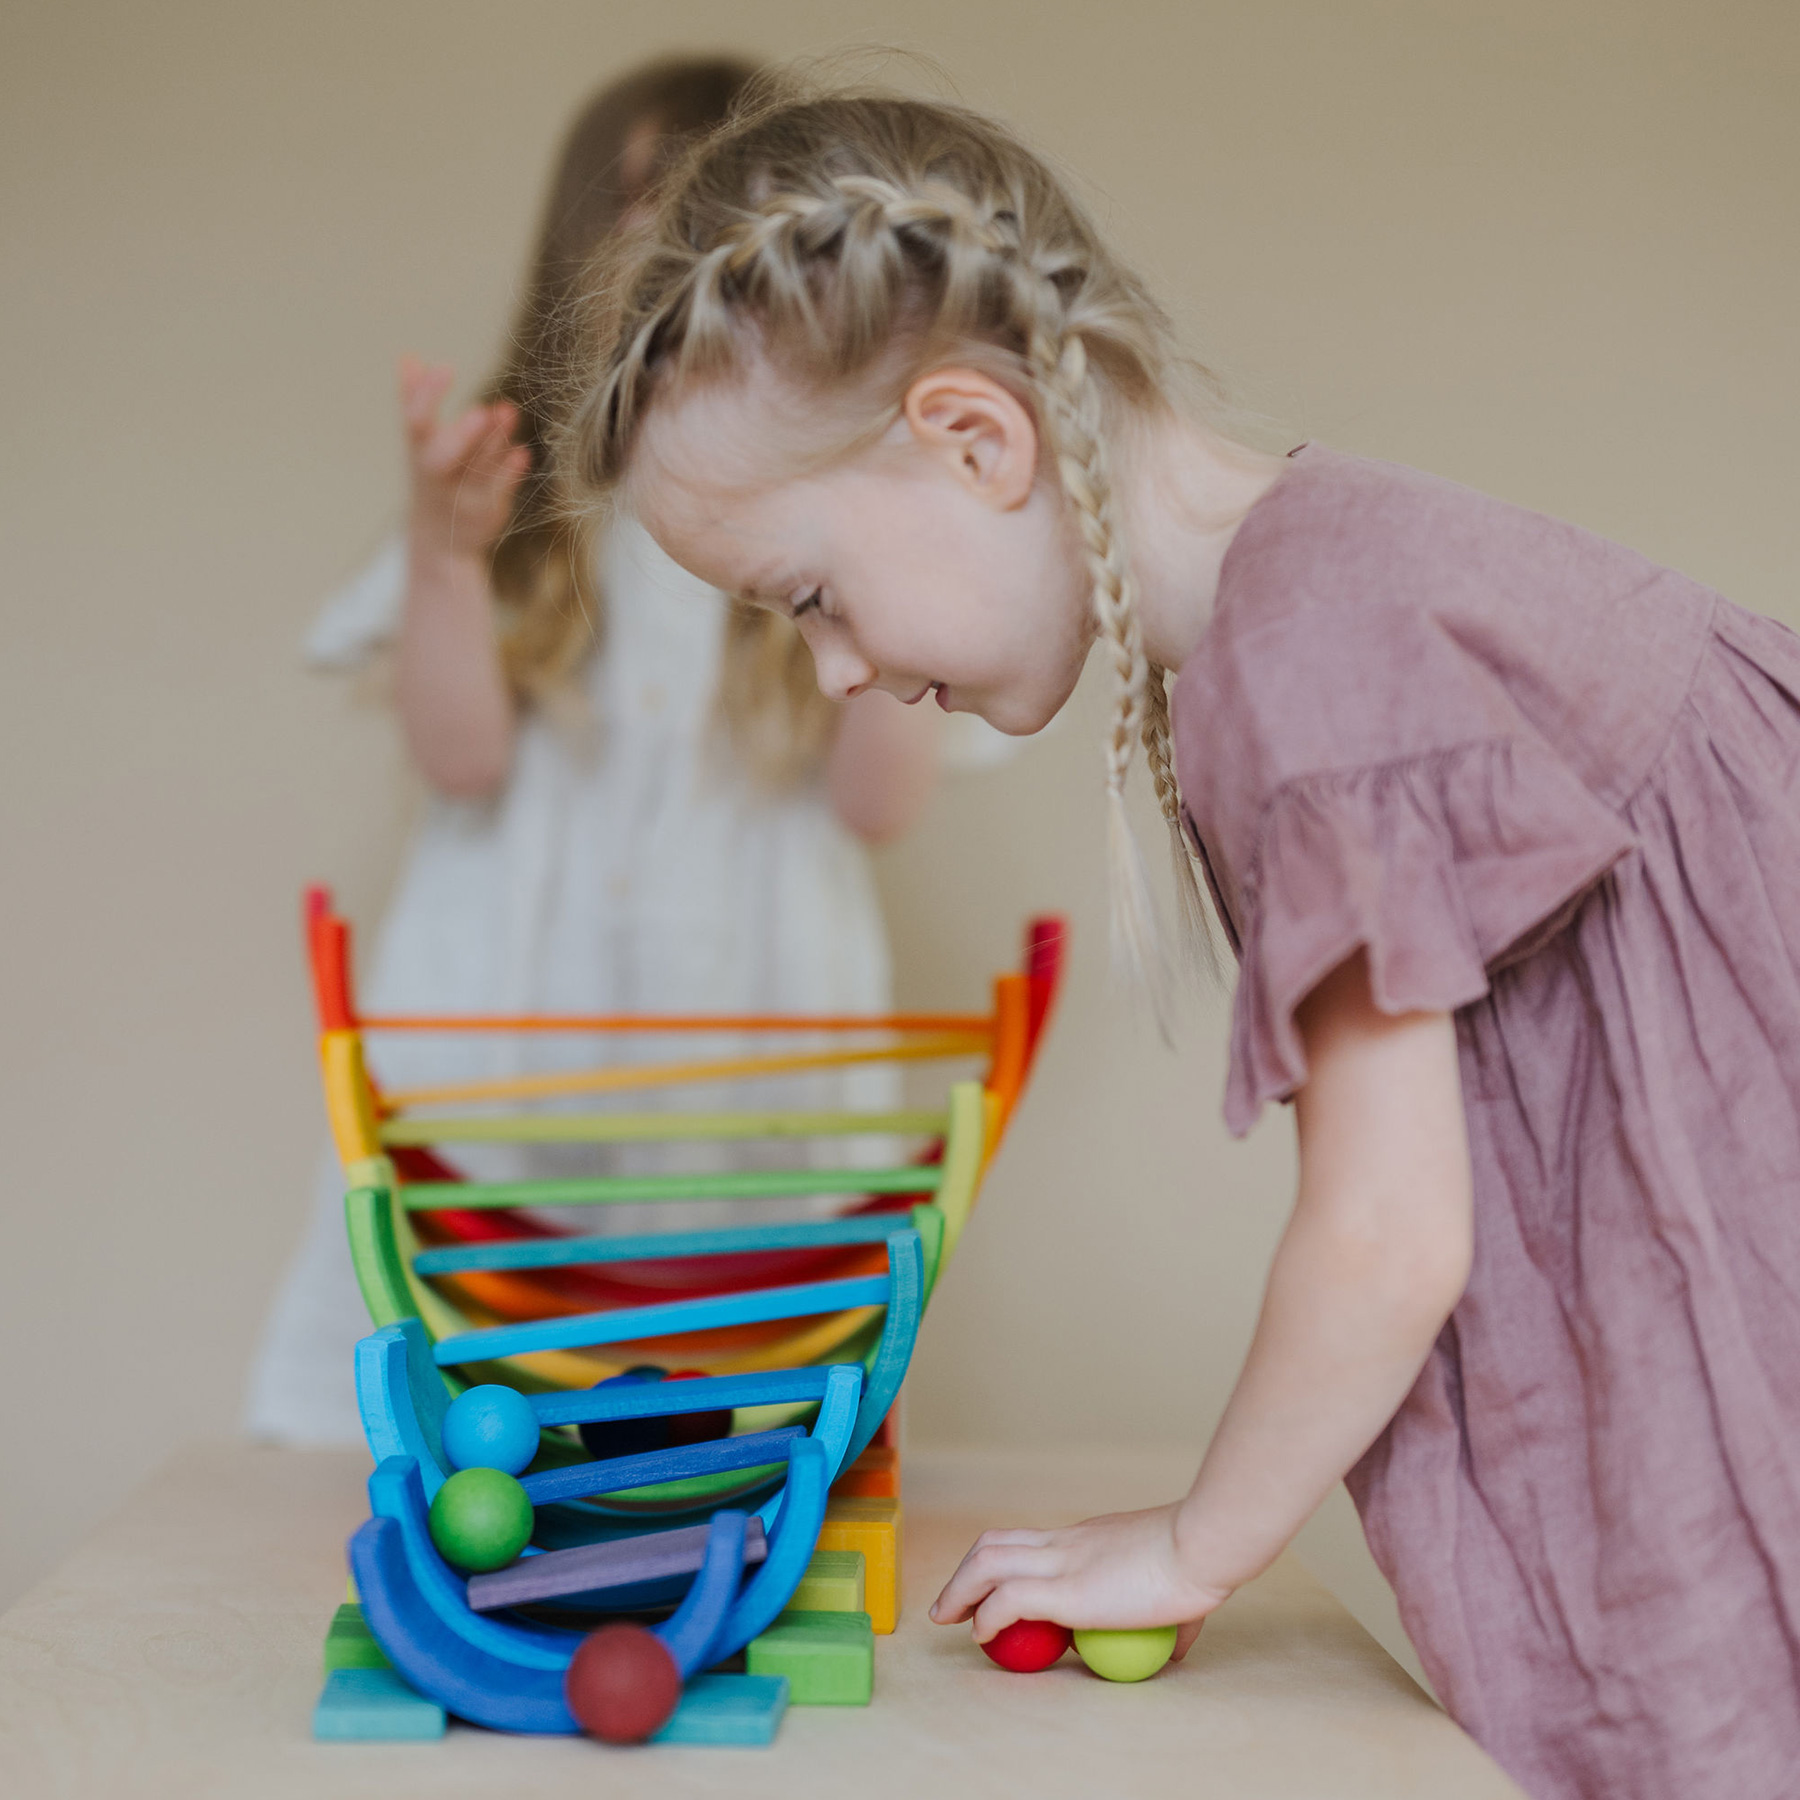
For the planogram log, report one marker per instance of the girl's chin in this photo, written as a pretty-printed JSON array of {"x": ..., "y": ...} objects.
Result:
[{"x": 1011, "y": 716}]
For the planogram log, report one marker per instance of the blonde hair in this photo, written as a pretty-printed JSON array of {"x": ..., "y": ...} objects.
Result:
[
  {"x": 864, "y": 239},
  {"x": 541, "y": 567}
]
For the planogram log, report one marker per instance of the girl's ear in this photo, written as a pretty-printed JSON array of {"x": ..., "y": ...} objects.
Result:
[{"x": 980, "y": 431}]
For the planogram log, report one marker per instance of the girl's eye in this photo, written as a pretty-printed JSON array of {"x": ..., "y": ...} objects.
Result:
[{"x": 812, "y": 603}]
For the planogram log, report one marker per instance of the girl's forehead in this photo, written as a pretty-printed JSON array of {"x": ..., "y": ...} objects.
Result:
[
  {"x": 694, "y": 493},
  {"x": 752, "y": 429},
  {"x": 696, "y": 437},
  {"x": 730, "y": 452},
  {"x": 748, "y": 411}
]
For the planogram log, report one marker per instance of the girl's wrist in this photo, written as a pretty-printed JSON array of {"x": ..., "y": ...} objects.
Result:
[
  {"x": 430, "y": 553},
  {"x": 1208, "y": 1559}
]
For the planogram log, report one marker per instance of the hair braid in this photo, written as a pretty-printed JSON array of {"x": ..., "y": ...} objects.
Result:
[
  {"x": 1071, "y": 414},
  {"x": 1159, "y": 755}
]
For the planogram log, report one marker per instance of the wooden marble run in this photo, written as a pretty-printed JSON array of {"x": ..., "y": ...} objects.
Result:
[{"x": 608, "y": 1464}]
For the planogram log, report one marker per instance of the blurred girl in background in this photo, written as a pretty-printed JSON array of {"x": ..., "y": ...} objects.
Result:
[{"x": 604, "y": 832}]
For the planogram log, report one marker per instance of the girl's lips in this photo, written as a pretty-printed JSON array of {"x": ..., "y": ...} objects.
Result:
[{"x": 937, "y": 687}]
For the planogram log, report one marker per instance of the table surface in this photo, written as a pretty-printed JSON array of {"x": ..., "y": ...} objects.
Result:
[{"x": 177, "y": 1653}]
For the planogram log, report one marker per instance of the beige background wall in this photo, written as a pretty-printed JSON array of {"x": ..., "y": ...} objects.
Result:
[{"x": 1547, "y": 248}]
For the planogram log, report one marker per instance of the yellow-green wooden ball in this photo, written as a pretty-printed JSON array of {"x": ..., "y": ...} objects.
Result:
[{"x": 1126, "y": 1655}]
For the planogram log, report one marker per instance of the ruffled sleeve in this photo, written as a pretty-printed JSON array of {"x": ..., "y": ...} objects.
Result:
[
  {"x": 1394, "y": 735},
  {"x": 363, "y": 614},
  {"x": 1443, "y": 866}
]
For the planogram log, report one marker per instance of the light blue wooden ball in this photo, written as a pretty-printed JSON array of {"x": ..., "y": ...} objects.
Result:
[{"x": 491, "y": 1427}]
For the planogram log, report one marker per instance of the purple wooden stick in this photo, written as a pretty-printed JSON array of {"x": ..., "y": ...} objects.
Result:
[{"x": 621, "y": 1562}]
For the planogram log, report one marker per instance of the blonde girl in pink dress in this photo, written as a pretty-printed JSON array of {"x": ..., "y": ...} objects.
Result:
[{"x": 1500, "y": 821}]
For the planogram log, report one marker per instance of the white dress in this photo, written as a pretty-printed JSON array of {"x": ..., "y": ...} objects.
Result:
[{"x": 642, "y": 873}]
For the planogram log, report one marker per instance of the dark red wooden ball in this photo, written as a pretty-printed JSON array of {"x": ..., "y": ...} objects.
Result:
[
  {"x": 1027, "y": 1645},
  {"x": 622, "y": 1684},
  {"x": 695, "y": 1428},
  {"x": 604, "y": 1438}
]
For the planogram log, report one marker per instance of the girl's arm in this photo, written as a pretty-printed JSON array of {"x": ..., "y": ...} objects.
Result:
[
  {"x": 1373, "y": 1260},
  {"x": 883, "y": 764},
  {"x": 456, "y": 709}
]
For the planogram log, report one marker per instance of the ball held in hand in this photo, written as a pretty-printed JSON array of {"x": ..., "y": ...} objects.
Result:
[
  {"x": 1126, "y": 1655},
  {"x": 1027, "y": 1645}
]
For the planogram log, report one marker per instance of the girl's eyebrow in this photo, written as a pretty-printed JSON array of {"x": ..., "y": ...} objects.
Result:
[
  {"x": 764, "y": 588},
  {"x": 752, "y": 596}
]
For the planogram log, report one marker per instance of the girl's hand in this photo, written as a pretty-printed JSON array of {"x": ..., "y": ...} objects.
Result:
[
  {"x": 464, "y": 473},
  {"x": 1120, "y": 1572}
]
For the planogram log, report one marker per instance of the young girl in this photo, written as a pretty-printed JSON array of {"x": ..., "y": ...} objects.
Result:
[
  {"x": 638, "y": 801},
  {"x": 1500, "y": 821}
]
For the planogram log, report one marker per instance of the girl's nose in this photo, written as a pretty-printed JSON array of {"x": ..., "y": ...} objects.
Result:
[{"x": 842, "y": 673}]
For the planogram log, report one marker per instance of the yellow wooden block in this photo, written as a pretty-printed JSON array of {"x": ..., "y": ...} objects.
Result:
[
  {"x": 348, "y": 1103},
  {"x": 875, "y": 1475},
  {"x": 873, "y": 1527}
]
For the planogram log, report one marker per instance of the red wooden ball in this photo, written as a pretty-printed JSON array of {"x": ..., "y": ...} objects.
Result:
[
  {"x": 622, "y": 1684},
  {"x": 1027, "y": 1645}
]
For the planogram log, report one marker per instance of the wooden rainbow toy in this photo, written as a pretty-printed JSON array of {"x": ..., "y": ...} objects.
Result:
[{"x": 607, "y": 1464}]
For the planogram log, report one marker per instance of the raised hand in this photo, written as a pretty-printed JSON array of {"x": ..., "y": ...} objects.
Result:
[
  {"x": 464, "y": 472},
  {"x": 1119, "y": 1572}
]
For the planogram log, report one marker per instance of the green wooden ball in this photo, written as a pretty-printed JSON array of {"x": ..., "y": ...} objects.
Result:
[
  {"x": 481, "y": 1519},
  {"x": 1126, "y": 1655}
]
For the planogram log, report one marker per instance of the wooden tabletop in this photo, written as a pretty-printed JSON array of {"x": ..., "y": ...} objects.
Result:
[{"x": 177, "y": 1654}]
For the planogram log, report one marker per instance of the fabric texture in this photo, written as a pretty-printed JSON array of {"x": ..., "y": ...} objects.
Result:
[
  {"x": 633, "y": 870},
  {"x": 1553, "y": 789}
]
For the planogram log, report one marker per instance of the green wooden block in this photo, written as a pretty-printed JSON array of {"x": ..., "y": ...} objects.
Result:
[
  {"x": 833, "y": 1582},
  {"x": 349, "y": 1643},
  {"x": 373, "y": 1706},
  {"x": 828, "y": 1657}
]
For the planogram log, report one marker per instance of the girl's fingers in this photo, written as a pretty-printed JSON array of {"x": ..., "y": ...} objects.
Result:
[
  {"x": 982, "y": 1570},
  {"x": 422, "y": 390},
  {"x": 1185, "y": 1636},
  {"x": 498, "y": 466},
  {"x": 496, "y": 446},
  {"x": 514, "y": 468},
  {"x": 996, "y": 1553},
  {"x": 451, "y": 447},
  {"x": 1012, "y": 1601},
  {"x": 989, "y": 1540}
]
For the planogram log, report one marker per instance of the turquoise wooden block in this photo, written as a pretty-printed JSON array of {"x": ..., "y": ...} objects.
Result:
[
  {"x": 727, "y": 1709},
  {"x": 373, "y": 1706}
]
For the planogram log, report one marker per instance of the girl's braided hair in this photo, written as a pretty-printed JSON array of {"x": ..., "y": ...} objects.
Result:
[{"x": 859, "y": 241}]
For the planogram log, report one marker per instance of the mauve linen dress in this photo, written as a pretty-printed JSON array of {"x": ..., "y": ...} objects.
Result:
[{"x": 1554, "y": 789}]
